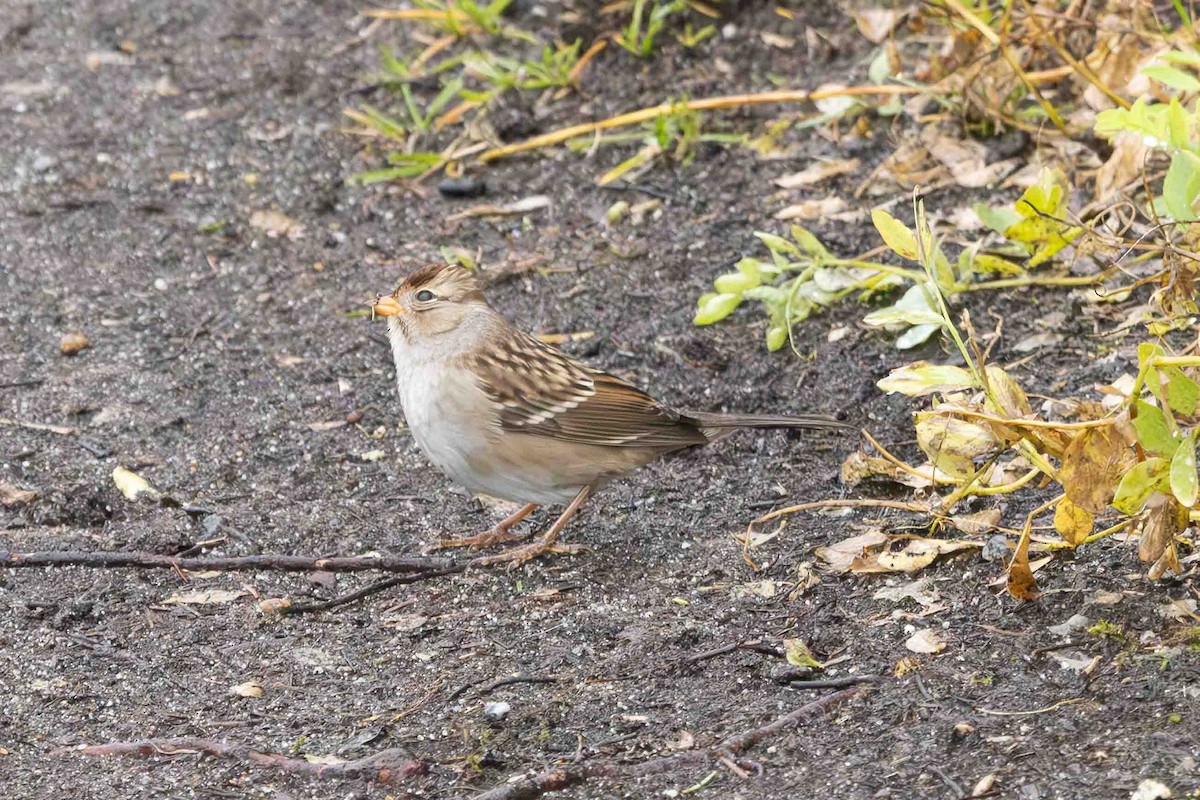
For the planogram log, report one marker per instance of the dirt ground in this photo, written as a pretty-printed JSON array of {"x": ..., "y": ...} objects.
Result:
[{"x": 212, "y": 351}]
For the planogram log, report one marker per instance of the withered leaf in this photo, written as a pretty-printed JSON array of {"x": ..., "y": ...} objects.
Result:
[
  {"x": 1021, "y": 583},
  {"x": 953, "y": 444},
  {"x": 1092, "y": 466},
  {"x": 838, "y": 557}
]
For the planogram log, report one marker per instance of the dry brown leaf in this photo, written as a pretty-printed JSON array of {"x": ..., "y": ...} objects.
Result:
[
  {"x": 1092, "y": 465},
  {"x": 324, "y": 760},
  {"x": 72, "y": 343},
  {"x": 859, "y": 466},
  {"x": 817, "y": 172},
  {"x": 1074, "y": 523},
  {"x": 909, "y": 554},
  {"x": 12, "y": 496},
  {"x": 812, "y": 209},
  {"x": 926, "y": 642},
  {"x": 1162, "y": 524},
  {"x": 838, "y": 557},
  {"x": 876, "y": 24},
  {"x": 978, "y": 523},
  {"x": 953, "y": 444},
  {"x": 274, "y": 605},
  {"x": 522, "y": 206},
  {"x": 686, "y": 741},
  {"x": 1123, "y": 166},
  {"x": 275, "y": 224},
  {"x": 204, "y": 597},
  {"x": 327, "y": 425},
  {"x": 247, "y": 689},
  {"x": 1021, "y": 583}
]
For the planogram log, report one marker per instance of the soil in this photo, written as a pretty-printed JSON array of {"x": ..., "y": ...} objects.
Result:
[{"x": 213, "y": 347}]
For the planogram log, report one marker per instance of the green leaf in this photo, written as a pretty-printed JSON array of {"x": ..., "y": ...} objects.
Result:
[
  {"x": 1179, "y": 392},
  {"x": 998, "y": 219},
  {"x": 1153, "y": 432},
  {"x": 917, "y": 334},
  {"x": 715, "y": 308},
  {"x": 895, "y": 234},
  {"x": 922, "y": 378},
  {"x": 1175, "y": 78},
  {"x": 808, "y": 242},
  {"x": 733, "y": 283},
  {"x": 1141, "y": 481},
  {"x": 1183, "y": 472},
  {"x": 777, "y": 244},
  {"x": 751, "y": 268},
  {"x": 1177, "y": 125},
  {"x": 776, "y": 338},
  {"x": 1181, "y": 186}
]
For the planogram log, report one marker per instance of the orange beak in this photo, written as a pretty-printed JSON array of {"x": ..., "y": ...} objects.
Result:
[{"x": 386, "y": 306}]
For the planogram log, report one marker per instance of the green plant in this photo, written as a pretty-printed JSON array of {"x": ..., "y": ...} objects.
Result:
[
  {"x": 690, "y": 37},
  {"x": 640, "y": 32},
  {"x": 552, "y": 69},
  {"x": 463, "y": 17},
  {"x": 1167, "y": 128},
  {"x": 803, "y": 276}
]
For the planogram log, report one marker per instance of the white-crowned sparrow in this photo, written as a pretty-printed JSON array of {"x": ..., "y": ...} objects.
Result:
[{"x": 509, "y": 416}]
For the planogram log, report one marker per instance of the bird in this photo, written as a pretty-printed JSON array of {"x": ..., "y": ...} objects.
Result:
[{"x": 506, "y": 415}]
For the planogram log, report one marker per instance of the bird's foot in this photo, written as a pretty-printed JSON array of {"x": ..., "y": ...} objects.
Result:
[
  {"x": 516, "y": 556},
  {"x": 488, "y": 538}
]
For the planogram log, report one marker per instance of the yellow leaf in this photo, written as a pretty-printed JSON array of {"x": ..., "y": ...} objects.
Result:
[
  {"x": 895, "y": 234},
  {"x": 131, "y": 484},
  {"x": 798, "y": 654},
  {"x": 1074, "y": 523}
]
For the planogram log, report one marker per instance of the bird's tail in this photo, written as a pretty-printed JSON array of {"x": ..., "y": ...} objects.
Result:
[{"x": 717, "y": 426}]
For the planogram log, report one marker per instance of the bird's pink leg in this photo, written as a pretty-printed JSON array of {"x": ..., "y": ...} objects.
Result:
[
  {"x": 546, "y": 543},
  {"x": 498, "y": 533}
]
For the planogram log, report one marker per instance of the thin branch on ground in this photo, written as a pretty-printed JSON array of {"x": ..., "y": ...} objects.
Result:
[
  {"x": 277, "y": 563},
  {"x": 372, "y": 588},
  {"x": 391, "y": 767},
  {"x": 552, "y": 780},
  {"x": 700, "y": 104}
]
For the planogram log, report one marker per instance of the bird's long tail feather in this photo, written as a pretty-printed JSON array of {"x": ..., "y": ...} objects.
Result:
[{"x": 716, "y": 426}]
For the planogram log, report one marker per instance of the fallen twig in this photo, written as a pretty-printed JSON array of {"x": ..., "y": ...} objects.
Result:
[
  {"x": 537, "y": 785},
  {"x": 700, "y": 104},
  {"x": 279, "y": 563},
  {"x": 370, "y": 589},
  {"x": 387, "y": 766}
]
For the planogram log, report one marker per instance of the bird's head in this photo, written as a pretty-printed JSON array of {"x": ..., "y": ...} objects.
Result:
[{"x": 430, "y": 302}]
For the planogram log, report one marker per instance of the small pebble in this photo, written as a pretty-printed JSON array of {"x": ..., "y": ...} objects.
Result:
[
  {"x": 496, "y": 710},
  {"x": 43, "y": 163},
  {"x": 73, "y": 343},
  {"x": 995, "y": 548},
  {"x": 462, "y": 187}
]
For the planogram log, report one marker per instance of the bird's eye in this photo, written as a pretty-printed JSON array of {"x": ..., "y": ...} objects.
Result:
[{"x": 424, "y": 296}]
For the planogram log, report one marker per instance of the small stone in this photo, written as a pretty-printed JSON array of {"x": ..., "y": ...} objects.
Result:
[
  {"x": 161, "y": 284},
  {"x": 212, "y": 523},
  {"x": 496, "y": 711},
  {"x": 43, "y": 163},
  {"x": 462, "y": 187},
  {"x": 995, "y": 548},
  {"x": 73, "y": 343}
]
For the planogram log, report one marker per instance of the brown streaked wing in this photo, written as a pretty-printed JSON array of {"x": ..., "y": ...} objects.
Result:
[{"x": 542, "y": 391}]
